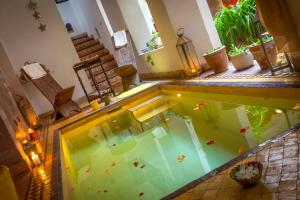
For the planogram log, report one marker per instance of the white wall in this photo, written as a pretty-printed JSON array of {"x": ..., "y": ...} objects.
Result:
[
  {"x": 136, "y": 23},
  {"x": 195, "y": 17},
  {"x": 23, "y": 42},
  {"x": 114, "y": 14},
  {"x": 69, "y": 15}
]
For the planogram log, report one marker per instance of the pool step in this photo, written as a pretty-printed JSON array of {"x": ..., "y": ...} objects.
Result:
[{"x": 152, "y": 107}]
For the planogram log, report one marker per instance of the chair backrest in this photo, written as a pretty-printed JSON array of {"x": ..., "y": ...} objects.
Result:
[{"x": 48, "y": 86}]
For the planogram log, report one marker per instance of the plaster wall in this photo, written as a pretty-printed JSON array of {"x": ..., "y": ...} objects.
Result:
[
  {"x": 195, "y": 17},
  {"x": 69, "y": 15}
]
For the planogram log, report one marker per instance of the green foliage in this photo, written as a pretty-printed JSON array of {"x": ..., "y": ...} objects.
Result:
[
  {"x": 150, "y": 60},
  {"x": 235, "y": 25},
  {"x": 265, "y": 39},
  {"x": 259, "y": 118},
  {"x": 234, "y": 51},
  {"x": 152, "y": 44},
  {"x": 213, "y": 50}
]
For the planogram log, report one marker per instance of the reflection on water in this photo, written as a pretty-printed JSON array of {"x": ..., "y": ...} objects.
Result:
[{"x": 156, "y": 147}]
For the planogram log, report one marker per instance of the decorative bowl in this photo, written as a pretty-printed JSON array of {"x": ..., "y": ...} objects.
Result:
[{"x": 247, "y": 182}]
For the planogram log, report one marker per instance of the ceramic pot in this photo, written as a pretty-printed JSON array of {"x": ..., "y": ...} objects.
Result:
[
  {"x": 242, "y": 61},
  {"x": 217, "y": 60},
  {"x": 261, "y": 58}
]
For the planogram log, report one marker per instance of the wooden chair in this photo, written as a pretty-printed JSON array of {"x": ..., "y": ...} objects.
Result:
[{"x": 60, "y": 98}]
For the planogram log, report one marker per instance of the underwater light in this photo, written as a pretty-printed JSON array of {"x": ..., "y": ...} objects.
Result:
[
  {"x": 178, "y": 95},
  {"x": 278, "y": 111}
]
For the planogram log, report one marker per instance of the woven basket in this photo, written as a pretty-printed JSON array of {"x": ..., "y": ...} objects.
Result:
[{"x": 247, "y": 182}]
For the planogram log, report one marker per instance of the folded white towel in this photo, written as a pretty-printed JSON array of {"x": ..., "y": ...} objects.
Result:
[
  {"x": 120, "y": 39},
  {"x": 34, "y": 70}
]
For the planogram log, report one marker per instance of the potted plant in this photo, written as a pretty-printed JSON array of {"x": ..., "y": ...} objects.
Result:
[
  {"x": 241, "y": 57},
  {"x": 217, "y": 59},
  {"x": 258, "y": 52}
]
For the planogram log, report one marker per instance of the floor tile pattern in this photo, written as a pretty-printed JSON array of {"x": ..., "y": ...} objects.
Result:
[{"x": 280, "y": 179}]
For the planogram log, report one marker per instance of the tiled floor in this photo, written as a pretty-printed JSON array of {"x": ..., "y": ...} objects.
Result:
[
  {"x": 280, "y": 180},
  {"x": 253, "y": 71}
]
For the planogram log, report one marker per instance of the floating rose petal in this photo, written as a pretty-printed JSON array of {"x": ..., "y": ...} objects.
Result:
[
  {"x": 180, "y": 158},
  {"x": 113, "y": 164},
  {"x": 88, "y": 170},
  {"x": 242, "y": 150},
  {"x": 114, "y": 145},
  {"x": 244, "y": 130},
  {"x": 105, "y": 191},
  {"x": 210, "y": 142},
  {"x": 143, "y": 166},
  {"x": 136, "y": 163},
  {"x": 141, "y": 194}
]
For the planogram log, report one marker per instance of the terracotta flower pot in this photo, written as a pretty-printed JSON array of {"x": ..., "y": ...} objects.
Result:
[
  {"x": 261, "y": 58},
  {"x": 217, "y": 60},
  {"x": 242, "y": 61}
]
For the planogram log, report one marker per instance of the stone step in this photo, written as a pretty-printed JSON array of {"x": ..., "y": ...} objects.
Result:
[
  {"x": 101, "y": 53},
  {"x": 90, "y": 50},
  {"x": 81, "y": 40},
  {"x": 79, "y": 36},
  {"x": 86, "y": 44}
]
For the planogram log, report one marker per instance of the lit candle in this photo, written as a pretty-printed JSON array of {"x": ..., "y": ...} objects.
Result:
[{"x": 35, "y": 159}]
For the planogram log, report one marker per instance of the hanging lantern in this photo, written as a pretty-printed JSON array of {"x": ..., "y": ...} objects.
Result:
[{"x": 187, "y": 54}]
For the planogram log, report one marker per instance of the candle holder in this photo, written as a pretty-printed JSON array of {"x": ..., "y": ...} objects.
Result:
[
  {"x": 32, "y": 134},
  {"x": 34, "y": 157}
]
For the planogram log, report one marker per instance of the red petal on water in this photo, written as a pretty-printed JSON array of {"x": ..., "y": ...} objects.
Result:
[
  {"x": 142, "y": 167},
  {"x": 242, "y": 150},
  {"x": 88, "y": 170},
  {"x": 136, "y": 163},
  {"x": 244, "y": 130},
  {"x": 141, "y": 194},
  {"x": 113, "y": 164},
  {"x": 210, "y": 142}
]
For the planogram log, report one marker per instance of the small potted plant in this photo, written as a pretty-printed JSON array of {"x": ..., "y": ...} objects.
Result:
[
  {"x": 241, "y": 57},
  {"x": 258, "y": 52},
  {"x": 217, "y": 59}
]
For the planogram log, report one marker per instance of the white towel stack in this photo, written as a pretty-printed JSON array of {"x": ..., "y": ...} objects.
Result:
[
  {"x": 34, "y": 70},
  {"x": 120, "y": 39}
]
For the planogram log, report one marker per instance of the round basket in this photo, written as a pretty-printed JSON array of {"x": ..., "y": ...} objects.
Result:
[{"x": 247, "y": 182}]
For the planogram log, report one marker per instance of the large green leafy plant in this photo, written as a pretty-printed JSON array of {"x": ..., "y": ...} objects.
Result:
[{"x": 235, "y": 25}]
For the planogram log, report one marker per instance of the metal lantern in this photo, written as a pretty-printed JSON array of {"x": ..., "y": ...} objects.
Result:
[
  {"x": 278, "y": 63},
  {"x": 187, "y": 54}
]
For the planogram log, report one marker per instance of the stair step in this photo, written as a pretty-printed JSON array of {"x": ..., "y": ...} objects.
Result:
[
  {"x": 90, "y": 50},
  {"x": 86, "y": 44},
  {"x": 107, "y": 58},
  {"x": 101, "y": 53},
  {"x": 81, "y": 40},
  {"x": 79, "y": 36},
  {"x": 110, "y": 65}
]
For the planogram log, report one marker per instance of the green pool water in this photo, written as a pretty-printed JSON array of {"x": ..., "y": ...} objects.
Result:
[{"x": 149, "y": 150}]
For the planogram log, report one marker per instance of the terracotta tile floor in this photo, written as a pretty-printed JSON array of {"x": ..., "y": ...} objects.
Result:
[
  {"x": 280, "y": 180},
  {"x": 252, "y": 72}
]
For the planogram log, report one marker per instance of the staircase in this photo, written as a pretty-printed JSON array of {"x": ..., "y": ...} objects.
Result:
[{"x": 88, "y": 47}]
